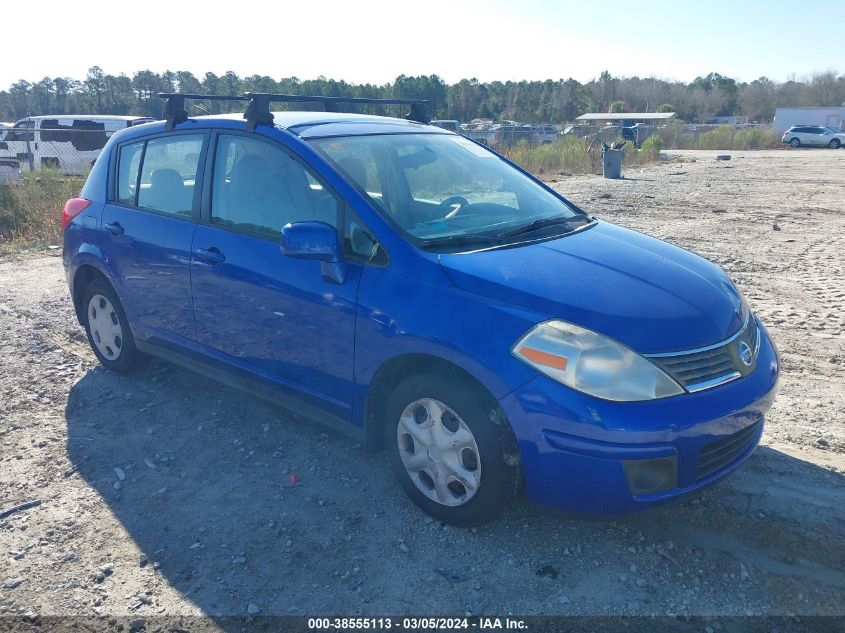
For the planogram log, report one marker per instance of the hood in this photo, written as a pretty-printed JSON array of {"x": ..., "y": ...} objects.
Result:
[{"x": 645, "y": 293}]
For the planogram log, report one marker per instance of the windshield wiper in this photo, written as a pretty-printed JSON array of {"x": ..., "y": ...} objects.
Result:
[
  {"x": 460, "y": 239},
  {"x": 541, "y": 223}
]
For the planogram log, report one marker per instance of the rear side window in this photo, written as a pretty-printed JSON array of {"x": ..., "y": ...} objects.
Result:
[
  {"x": 168, "y": 174},
  {"x": 128, "y": 163},
  {"x": 258, "y": 188}
]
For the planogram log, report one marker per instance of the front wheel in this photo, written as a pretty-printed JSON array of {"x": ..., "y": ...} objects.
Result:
[
  {"x": 451, "y": 449},
  {"x": 834, "y": 144},
  {"x": 795, "y": 143}
]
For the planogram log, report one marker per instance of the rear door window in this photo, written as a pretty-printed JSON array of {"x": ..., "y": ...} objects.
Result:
[{"x": 169, "y": 168}]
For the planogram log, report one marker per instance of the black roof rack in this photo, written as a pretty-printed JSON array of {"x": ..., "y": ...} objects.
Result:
[
  {"x": 258, "y": 110},
  {"x": 174, "y": 109}
]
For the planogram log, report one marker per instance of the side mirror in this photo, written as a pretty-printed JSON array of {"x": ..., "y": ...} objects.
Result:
[{"x": 318, "y": 241}]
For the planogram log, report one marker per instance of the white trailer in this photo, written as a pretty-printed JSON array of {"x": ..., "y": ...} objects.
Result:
[
  {"x": 833, "y": 117},
  {"x": 68, "y": 142}
]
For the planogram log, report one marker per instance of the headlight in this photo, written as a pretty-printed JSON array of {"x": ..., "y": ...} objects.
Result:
[{"x": 593, "y": 363}]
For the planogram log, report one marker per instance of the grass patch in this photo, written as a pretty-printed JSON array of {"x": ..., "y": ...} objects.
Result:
[
  {"x": 571, "y": 155},
  {"x": 30, "y": 213},
  {"x": 677, "y": 135}
]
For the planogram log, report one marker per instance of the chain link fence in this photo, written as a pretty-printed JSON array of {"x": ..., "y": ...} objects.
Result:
[
  {"x": 688, "y": 135},
  {"x": 69, "y": 145},
  {"x": 71, "y": 152}
]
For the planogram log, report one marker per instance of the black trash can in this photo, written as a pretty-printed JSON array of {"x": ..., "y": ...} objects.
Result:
[{"x": 612, "y": 163}]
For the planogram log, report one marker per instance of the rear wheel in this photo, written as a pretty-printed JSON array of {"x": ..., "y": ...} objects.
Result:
[
  {"x": 834, "y": 144},
  {"x": 108, "y": 329},
  {"x": 451, "y": 449},
  {"x": 795, "y": 142}
]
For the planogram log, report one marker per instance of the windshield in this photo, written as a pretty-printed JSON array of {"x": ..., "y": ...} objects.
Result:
[{"x": 444, "y": 188}]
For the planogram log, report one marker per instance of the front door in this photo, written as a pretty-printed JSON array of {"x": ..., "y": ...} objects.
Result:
[
  {"x": 255, "y": 307},
  {"x": 148, "y": 226}
]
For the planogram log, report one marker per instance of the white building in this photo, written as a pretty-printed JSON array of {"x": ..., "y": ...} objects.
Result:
[{"x": 833, "y": 118}]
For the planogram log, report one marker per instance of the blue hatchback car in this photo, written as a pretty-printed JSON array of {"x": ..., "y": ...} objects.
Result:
[{"x": 413, "y": 288}]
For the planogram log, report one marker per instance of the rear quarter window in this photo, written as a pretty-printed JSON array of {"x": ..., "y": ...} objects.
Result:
[{"x": 128, "y": 163}]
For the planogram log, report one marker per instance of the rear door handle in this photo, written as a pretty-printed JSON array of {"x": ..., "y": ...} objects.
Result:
[
  {"x": 211, "y": 255},
  {"x": 114, "y": 228}
]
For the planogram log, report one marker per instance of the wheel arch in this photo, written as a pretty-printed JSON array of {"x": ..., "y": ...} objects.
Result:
[
  {"x": 396, "y": 369},
  {"x": 84, "y": 275}
]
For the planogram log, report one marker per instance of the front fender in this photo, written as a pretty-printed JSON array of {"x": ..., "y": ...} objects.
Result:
[{"x": 423, "y": 312}]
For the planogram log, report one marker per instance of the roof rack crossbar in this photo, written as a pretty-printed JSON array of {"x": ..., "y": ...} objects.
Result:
[
  {"x": 258, "y": 110},
  {"x": 174, "y": 109}
]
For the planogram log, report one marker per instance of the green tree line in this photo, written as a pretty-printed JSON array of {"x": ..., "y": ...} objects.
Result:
[{"x": 530, "y": 101}]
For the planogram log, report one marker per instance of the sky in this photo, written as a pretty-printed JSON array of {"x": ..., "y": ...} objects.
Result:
[{"x": 364, "y": 41}]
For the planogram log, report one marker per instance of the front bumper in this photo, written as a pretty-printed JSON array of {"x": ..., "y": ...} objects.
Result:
[{"x": 582, "y": 454}]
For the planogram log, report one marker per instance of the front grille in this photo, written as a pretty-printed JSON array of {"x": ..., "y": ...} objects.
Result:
[
  {"x": 700, "y": 369},
  {"x": 720, "y": 453}
]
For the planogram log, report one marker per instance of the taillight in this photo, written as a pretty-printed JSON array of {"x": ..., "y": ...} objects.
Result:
[{"x": 73, "y": 207}]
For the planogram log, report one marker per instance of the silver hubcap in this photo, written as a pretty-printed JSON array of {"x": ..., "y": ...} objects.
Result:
[
  {"x": 439, "y": 452},
  {"x": 105, "y": 327}
]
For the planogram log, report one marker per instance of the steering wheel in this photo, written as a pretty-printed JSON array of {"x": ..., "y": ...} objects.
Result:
[{"x": 452, "y": 201}]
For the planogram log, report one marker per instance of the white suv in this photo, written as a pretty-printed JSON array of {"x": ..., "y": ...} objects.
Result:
[{"x": 799, "y": 135}]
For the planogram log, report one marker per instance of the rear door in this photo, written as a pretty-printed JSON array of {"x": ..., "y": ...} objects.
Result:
[
  {"x": 147, "y": 228},
  {"x": 256, "y": 308}
]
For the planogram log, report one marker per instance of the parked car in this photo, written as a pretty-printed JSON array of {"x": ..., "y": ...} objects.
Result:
[
  {"x": 414, "y": 289},
  {"x": 546, "y": 134},
  {"x": 70, "y": 143},
  {"x": 10, "y": 172},
  {"x": 799, "y": 135},
  {"x": 506, "y": 135}
]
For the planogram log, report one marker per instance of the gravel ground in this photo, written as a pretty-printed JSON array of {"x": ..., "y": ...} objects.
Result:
[{"x": 162, "y": 492}]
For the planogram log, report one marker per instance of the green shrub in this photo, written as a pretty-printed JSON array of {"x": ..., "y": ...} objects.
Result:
[
  {"x": 566, "y": 154},
  {"x": 652, "y": 146},
  {"x": 30, "y": 213}
]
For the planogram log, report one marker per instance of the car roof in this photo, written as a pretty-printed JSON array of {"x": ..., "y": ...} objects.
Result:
[{"x": 308, "y": 125}]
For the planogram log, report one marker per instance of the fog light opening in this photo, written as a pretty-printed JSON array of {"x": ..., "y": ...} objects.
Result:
[{"x": 646, "y": 476}]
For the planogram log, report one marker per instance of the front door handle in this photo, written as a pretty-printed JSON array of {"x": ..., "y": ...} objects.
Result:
[
  {"x": 114, "y": 228},
  {"x": 211, "y": 255}
]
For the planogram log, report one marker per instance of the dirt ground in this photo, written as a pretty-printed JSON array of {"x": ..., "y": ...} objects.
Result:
[{"x": 165, "y": 493}]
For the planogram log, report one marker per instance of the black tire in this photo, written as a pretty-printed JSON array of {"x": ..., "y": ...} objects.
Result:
[
  {"x": 127, "y": 358},
  {"x": 834, "y": 144},
  {"x": 795, "y": 142},
  {"x": 501, "y": 474}
]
